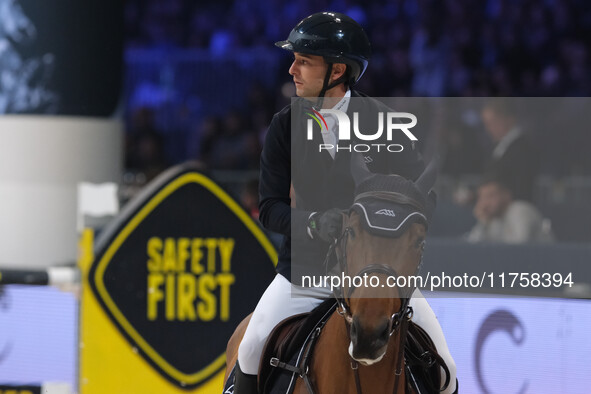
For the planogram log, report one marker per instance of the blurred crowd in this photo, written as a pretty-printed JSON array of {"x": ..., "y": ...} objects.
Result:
[{"x": 421, "y": 48}]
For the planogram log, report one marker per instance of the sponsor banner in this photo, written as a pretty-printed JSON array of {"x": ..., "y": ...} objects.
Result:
[
  {"x": 498, "y": 344},
  {"x": 175, "y": 274},
  {"x": 517, "y": 345},
  {"x": 38, "y": 336}
]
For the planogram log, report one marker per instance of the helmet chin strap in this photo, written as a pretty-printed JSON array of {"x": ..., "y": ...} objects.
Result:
[{"x": 326, "y": 86}]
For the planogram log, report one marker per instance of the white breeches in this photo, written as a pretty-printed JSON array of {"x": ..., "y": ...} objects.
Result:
[
  {"x": 278, "y": 303},
  {"x": 425, "y": 317}
]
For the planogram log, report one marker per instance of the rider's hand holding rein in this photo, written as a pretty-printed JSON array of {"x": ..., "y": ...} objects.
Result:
[{"x": 326, "y": 225}]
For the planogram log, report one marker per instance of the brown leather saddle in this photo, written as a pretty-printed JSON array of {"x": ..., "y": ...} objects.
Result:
[{"x": 288, "y": 347}]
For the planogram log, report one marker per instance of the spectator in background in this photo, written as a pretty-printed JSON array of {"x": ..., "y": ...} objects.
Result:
[
  {"x": 235, "y": 146},
  {"x": 209, "y": 130},
  {"x": 514, "y": 160},
  {"x": 428, "y": 56},
  {"x": 261, "y": 105},
  {"x": 145, "y": 145},
  {"x": 460, "y": 145},
  {"x": 501, "y": 218},
  {"x": 429, "y": 47},
  {"x": 249, "y": 198}
]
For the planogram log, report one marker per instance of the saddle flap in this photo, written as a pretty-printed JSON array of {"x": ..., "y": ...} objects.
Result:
[
  {"x": 286, "y": 339},
  {"x": 277, "y": 344}
]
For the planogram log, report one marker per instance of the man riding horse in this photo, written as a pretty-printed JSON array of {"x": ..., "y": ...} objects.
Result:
[{"x": 331, "y": 52}]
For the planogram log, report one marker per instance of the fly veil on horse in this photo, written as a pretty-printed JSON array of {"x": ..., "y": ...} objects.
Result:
[{"x": 370, "y": 344}]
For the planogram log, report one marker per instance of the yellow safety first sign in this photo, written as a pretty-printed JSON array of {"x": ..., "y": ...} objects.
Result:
[
  {"x": 165, "y": 286},
  {"x": 178, "y": 285}
]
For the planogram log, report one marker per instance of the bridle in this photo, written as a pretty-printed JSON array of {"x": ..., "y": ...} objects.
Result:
[
  {"x": 343, "y": 301},
  {"x": 341, "y": 244},
  {"x": 399, "y": 319}
]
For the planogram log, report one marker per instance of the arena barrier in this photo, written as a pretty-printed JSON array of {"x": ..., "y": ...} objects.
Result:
[{"x": 52, "y": 276}]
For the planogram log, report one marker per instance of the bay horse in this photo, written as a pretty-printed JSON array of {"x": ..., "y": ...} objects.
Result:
[{"x": 360, "y": 348}]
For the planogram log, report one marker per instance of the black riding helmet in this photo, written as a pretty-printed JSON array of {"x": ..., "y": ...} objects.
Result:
[{"x": 337, "y": 38}]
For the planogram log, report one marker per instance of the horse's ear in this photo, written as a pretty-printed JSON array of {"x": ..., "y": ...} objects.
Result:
[
  {"x": 359, "y": 169},
  {"x": 426, "y": 180}
]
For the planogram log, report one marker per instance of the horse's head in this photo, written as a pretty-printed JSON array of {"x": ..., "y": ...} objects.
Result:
[
  {"x": 381, "y": 247},
  {"x": 14, "y": 24}
]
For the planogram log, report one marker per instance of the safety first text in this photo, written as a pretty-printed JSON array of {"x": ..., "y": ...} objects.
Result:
[{"x": 189, "y": 278}]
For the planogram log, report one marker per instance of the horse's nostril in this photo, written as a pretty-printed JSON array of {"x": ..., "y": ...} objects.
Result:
[
  {"x": 383, "y": 331},
  {"x": 354, "y": 328}
]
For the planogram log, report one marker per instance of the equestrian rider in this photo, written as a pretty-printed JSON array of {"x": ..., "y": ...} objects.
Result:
[{"x": 331, "y": 52}]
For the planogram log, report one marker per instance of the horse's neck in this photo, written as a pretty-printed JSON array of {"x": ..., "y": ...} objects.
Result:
[{"x": 332, "y": 364}]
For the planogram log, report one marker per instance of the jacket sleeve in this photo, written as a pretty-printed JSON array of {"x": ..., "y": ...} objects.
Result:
[
  {"x": 275, "y": 212},
  {"x": 274, "y": 182}
]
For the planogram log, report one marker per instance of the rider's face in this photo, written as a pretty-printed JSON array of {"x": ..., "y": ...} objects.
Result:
[{"x": 308, "y": 73}]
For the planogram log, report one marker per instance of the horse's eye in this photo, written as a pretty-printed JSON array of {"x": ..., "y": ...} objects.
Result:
[
  {"x": 420, "y": 243},
  {"x": 352, "y": 233}
]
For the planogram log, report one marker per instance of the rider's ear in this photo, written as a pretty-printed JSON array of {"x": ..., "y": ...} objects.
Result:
[{"x": 338, "y": 70}]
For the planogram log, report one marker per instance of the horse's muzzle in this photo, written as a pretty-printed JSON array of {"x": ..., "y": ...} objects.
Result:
[{"x": 368, "y": 345}]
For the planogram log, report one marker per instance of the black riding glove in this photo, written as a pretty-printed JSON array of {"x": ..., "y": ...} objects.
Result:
[{"x": 326, "y": 225}]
